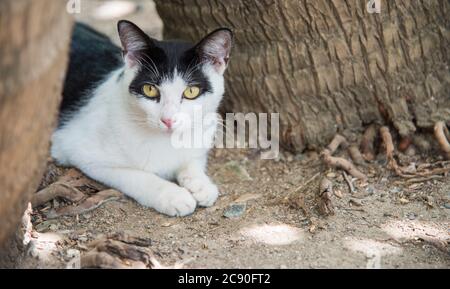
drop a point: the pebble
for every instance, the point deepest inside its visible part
(234, 210)
(412, 216)
(447, 205)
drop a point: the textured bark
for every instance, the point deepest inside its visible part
(328, 65)
(34, 37)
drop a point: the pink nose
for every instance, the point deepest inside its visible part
(168, 122)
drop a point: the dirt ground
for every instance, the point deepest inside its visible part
(385, 223)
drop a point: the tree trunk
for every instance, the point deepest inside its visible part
(328, 66)
(34, 37)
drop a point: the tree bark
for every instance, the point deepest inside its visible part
(328, 66)
(34, 38)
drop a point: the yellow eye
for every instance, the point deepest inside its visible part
(150, 90)
(191, 92)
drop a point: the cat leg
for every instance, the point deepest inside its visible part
(194, 178)
(147, 189)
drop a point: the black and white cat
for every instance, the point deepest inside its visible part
(121, 106)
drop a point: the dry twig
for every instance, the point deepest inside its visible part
(87, 205)
(120, 251)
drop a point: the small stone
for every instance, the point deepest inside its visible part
(447, 205)
(412, 216)
(234, 210)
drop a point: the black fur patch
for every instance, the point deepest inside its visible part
(92, 57)
(160, 61)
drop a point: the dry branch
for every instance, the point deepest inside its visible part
(87, 205)
(349, 183)
(120, 251)
(56, 190)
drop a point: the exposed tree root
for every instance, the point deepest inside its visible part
(443, 137)
(87, 205)
(324, 197)
(404, 144)
(340, 163)
(367, 142)
(423, 172)
(120, 251)
(356, 155)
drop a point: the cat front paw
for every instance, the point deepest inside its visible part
(176, 202)
(202, 189)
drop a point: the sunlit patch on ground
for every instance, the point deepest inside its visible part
(44, 245)
(373, 250)
(275, 234)
(410, 230)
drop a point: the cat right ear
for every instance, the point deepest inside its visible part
(134, 41)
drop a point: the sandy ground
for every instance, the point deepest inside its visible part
(385, 223)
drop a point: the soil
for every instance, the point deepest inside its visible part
(385, 223)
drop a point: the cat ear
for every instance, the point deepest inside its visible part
(215, 48)
(134, 41)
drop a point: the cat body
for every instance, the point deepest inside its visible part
(117, 125)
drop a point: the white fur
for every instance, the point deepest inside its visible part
(119, 140)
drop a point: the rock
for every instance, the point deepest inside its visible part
(447, 205)
(412, 216)
(234, 210)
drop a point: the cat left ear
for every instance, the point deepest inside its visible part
(134, 41)
(215, 48)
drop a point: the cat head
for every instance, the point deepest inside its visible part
(169, 80)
